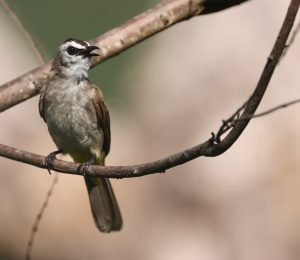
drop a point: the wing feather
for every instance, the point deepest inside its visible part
(103, 118)
(41, 105)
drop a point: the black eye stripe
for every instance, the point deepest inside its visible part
(72, 50)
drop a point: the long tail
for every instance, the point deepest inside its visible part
(105, 209)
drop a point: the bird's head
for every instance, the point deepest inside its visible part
(73, 59)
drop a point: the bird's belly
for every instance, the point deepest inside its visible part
(72, 129)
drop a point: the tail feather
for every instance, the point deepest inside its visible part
(104, 205)
(105, 209)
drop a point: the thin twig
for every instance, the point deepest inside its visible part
(271, 110)
(21, 27)
(228, 123)
(292, 40)
(38, 218)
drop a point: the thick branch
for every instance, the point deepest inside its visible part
(154, 20)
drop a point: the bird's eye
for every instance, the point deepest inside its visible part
(72, 50)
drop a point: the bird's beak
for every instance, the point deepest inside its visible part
(87, 52)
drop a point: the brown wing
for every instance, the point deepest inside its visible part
(41, 105)
(103, 118)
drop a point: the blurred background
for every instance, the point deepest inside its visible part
(164, 95)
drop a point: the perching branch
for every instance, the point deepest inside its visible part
(135, 30)
(214, 146)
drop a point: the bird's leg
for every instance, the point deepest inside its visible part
(85, 166)
(50, 158)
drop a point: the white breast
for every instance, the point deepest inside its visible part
(72, 129)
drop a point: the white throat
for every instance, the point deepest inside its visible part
(76, 71)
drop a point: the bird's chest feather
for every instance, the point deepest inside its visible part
(69, 123)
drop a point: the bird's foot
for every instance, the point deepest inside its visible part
(50, 158)
(84, 167)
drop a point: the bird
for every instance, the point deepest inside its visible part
(79, 123)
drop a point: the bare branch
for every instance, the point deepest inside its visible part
(106, 171)
(292, 40)
(231, 121)
(135, 30)
(211, 147)
(271, 110)
(251, 105)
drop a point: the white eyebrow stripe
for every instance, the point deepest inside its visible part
(76, 45)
